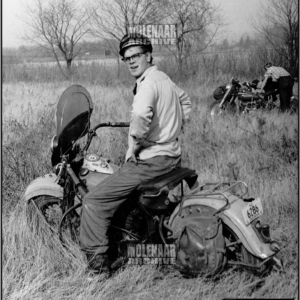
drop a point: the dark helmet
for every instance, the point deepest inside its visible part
(267, 65)
(134, 39)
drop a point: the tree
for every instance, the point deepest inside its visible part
(278, 25)
(241, 42)
(225, 44)
(198, 22)
(57, 26)
(112, 19)
(247, 42)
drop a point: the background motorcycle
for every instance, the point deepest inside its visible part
(235, 97)
(211, 225)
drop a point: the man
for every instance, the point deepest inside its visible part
(158, 113)
(284, 83)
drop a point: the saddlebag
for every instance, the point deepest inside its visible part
(201, 246)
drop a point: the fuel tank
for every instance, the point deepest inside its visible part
(95, 176)
(247, 96)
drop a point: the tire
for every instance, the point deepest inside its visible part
(69, 225)
(239, 254)
(216, 111)
(47, 208)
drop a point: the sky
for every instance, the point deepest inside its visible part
(236, 12)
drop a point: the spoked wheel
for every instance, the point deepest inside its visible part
(238, 255)
(216, 111)
(69, 225)
(46, 207)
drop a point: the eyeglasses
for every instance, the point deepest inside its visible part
(134, 58)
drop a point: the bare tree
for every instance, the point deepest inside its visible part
(198, 23)
(57, 26)
(278, 25)
(112, 19)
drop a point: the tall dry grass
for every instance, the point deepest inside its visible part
(260, 149)
(197, 67)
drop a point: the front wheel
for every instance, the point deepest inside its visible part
(45, 211)
(216, 111)
(46, 207)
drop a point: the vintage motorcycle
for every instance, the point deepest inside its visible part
(240, 98)
(207, 226)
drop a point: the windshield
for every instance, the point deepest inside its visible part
(73, 114)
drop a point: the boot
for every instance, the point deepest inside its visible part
(98, 264)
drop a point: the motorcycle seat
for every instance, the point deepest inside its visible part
(154, 193)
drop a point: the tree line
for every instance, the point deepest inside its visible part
(62, 28)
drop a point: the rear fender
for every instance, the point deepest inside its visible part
(44, 185)
(233, 218)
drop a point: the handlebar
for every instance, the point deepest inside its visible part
(109, 124)
(92, 132)
(249, 85)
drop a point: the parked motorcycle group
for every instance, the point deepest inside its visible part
(235, 98)
(210, 226)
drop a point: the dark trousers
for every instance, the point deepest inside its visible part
(100, 204)
(271, 86)
(285, 86)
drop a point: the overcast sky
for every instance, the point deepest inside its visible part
(236, 12)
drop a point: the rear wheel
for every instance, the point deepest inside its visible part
(238, 255)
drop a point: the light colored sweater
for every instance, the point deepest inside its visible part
(159, 110)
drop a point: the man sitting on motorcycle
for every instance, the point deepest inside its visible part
(159, 110)
(284, 83)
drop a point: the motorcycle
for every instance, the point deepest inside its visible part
(200, 230)
(240, 98)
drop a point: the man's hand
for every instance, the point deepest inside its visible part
(136, 148)
(139, 144)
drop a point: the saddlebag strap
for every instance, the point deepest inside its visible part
(171, 179)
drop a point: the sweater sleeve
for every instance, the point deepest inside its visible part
(185, 103)
(142, 111)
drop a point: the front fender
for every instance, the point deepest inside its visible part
(44, 185)
(233, 218)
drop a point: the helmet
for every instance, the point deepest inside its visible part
(267, 65)
(134, 39)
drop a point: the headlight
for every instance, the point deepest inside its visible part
(228, 86)
(54, 143)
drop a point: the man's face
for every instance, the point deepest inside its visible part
(138, 67)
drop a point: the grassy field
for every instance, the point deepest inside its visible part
(260, 149)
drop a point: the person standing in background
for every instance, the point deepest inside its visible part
(285, 84)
